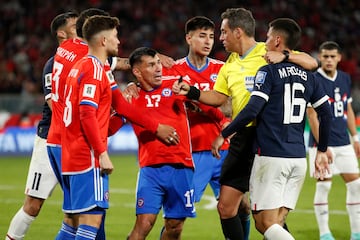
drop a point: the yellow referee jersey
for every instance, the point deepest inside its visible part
(236, 77)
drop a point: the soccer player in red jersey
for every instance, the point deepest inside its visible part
(69, 52)
(88, 97)
(205, 121)
(41, 179)
(166, 172)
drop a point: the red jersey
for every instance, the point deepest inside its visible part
(203, 127)
(67, 54)
(87, 84)
(162, 104)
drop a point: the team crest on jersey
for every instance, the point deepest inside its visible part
(140, 202)
(89, 90)
(166, 92)
(213, 77)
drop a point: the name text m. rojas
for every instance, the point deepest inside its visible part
(292, 71)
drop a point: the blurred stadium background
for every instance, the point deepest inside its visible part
(26, 43)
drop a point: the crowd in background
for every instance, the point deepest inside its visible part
(26, 43)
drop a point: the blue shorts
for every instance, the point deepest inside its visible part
(207, 170)
(54, 153)
(85, 191)
(166, 186)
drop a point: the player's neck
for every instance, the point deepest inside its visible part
(246, 45)
(101, 55)
(330, 74)
(197, 60)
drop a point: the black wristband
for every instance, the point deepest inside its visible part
(286, 54)
(193, 93)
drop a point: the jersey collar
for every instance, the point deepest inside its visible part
(322, 72)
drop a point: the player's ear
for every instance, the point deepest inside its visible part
(238, 32)
(278, 40)
(103, 40)
(136, 72)
(339, 57)
(187, 38)
(61, 34)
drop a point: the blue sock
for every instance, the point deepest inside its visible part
(66, 232)
(245, 222)
(86, 232)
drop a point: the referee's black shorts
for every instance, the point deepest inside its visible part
(235, 171)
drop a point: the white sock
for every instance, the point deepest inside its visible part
(321, 206)
(353, 204)
(19, 225)
(276, 232)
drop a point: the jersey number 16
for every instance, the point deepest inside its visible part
(294, 106)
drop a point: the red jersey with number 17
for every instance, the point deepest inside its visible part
(162, 104)
(67, 54)
(204, 129)
(87, 84)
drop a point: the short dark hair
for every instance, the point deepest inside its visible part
(330, 45)
(86, 14)
(198, 22)
(240, 18)
(290, 30)
(60, 21)
(97, 23)
(137, 54)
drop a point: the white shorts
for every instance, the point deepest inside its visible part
(276, 182)
(344, 160)
(41, 179)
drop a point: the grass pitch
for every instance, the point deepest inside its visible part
(121, 217)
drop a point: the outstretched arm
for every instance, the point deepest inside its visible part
(299, 58)
(123, 63)
(212, 97)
